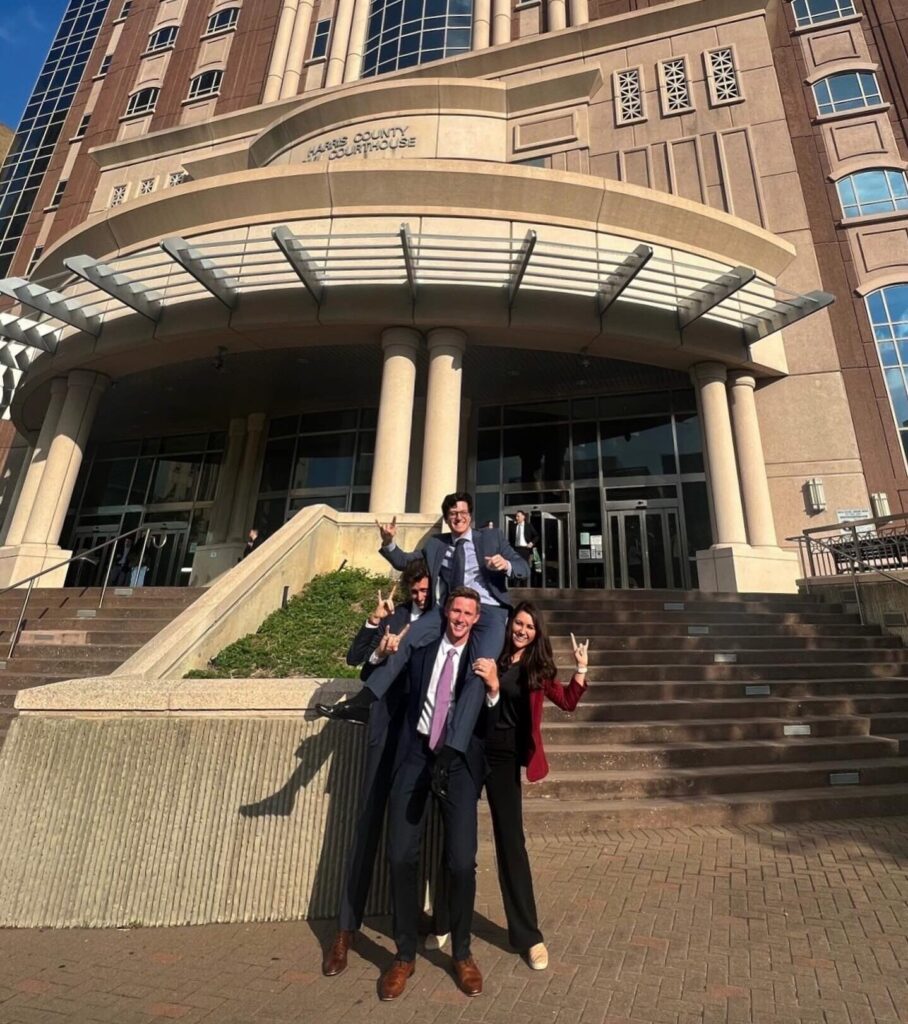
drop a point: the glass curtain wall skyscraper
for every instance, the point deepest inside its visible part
(42, 122)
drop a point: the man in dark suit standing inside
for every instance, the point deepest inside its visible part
(440, 752)
(380, 636)
(480, 559)
(524, 538)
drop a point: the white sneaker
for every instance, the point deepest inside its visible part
(437, 941)
(538, 957)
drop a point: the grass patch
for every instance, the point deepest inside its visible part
(309, 637)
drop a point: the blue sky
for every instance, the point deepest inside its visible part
(26, 31)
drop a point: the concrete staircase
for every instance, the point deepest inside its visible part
(66, 635)
(717, 709)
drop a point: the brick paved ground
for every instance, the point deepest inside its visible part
(775, 925)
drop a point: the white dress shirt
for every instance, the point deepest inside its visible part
(520, 537)
(425, 717)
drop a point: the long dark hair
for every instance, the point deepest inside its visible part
(537, 662)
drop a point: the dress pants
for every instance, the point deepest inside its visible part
(515, 879)
(380, 757)
(410, 794)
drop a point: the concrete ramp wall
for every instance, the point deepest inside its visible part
(126, 801)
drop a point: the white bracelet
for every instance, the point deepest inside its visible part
(580, 671)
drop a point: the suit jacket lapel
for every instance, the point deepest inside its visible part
(424, 668)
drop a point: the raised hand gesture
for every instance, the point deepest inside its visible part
(384, 607)
(581, 652)
(387, 531)
(390, 642)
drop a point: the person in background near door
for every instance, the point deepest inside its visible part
(520, 680)
(489, 525)
(122, 567)
(252, 542)
(380, 636)
(524, 538)
(480, 559)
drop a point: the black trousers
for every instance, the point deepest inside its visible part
(406, 815)
(506, 805)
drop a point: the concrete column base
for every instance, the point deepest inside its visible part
(19, 561)
(742, 569)
(213, 559)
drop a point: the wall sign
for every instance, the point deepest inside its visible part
(362, 143)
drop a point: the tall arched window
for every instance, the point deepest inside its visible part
(208, 83)
(848, 90)
(222, 20)
(888, 312)
(878, 191)
(143, 101)
(402, 33)
(162, 38)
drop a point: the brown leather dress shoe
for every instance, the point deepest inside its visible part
(394, 980)
(335, 961)
(469, 977)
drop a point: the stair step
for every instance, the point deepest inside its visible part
(731, 708)
(808, 669)
(699, 730)
(730, 689)
(708, 780)
(682, 643)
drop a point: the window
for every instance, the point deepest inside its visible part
(162, 39)
(208, 83)
(320, 42)
(869, 192)
(675, 89)
(220, 21)
(888, 312)
(125, 9)
(83, 127)
(404, 33)
(814, 12)
(629, 96)
(118, 195)
(722, 76)
(105, 65)
(142, 102)
(175, 178)
(33, 262)
(146, 186)
(850, 90)
(58, 193)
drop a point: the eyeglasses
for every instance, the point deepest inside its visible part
(459, 515)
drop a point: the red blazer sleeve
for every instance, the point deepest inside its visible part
(565, 697)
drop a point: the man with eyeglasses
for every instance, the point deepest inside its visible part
(480, 559)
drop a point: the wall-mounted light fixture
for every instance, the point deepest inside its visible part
(879, 501)
(816, 495)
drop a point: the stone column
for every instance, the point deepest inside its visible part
(354, 66)
(223, 499)
(482, 24)
(35, 471)
(64, 457)
(395, 421)
(278, 64)
(556, 15)
(441, 440)
(580, 12)
(296, 56)
(754, 485)
(501, 21)
(239, 526)
(340, 39)
(709, 378)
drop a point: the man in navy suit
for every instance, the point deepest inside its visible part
(480, 559)
(440, 680)
(379, 636)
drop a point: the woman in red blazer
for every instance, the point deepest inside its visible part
(522, 678)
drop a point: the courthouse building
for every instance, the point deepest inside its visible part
(576, 256)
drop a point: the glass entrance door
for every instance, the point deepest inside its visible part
(645, 548)
(552, 527)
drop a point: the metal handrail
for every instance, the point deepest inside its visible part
(83, 556)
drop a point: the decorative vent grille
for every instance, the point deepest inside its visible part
(723, 75)
(118, 195)
(146, 186)
(176, 178)
(629, 96)
(675, 87)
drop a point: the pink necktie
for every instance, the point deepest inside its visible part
(442, 702)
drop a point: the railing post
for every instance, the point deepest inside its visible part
(113, 552)
(14, 639)
(854, 573)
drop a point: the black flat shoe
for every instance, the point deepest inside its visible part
(344, 711)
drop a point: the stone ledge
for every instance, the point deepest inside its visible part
(106, 694)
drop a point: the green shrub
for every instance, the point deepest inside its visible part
(307, 638)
